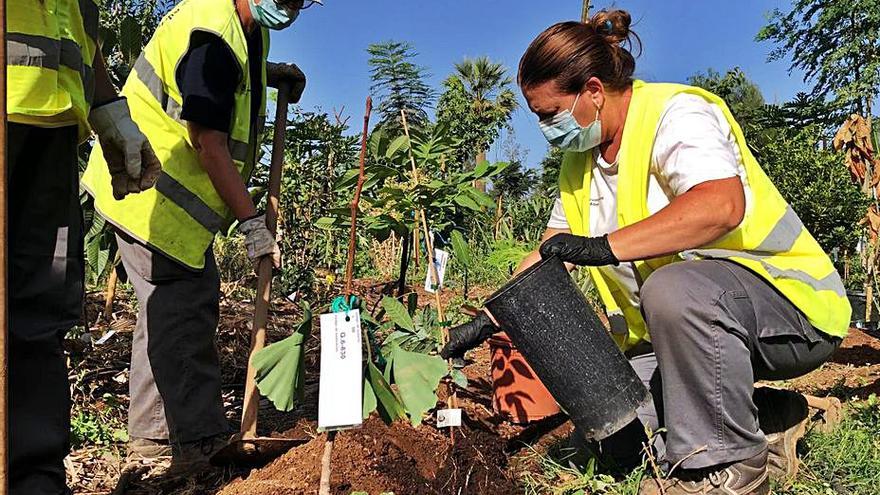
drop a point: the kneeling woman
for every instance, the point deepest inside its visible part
(689, 243)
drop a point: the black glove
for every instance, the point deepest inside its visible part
(579, 250)
(467, 336)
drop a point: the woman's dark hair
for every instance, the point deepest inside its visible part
(570, 53)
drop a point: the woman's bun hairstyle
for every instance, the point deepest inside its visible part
(570, 53)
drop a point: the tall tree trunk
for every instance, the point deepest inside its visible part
(480, 184)
(585, 11)
(498, 214)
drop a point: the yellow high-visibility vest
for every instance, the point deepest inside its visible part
(771, 241)
(181, 215)
(50, 47)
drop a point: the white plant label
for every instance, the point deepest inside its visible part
(447, 418)
(341, 383)
(441, 258)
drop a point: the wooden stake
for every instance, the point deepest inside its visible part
(110, 293)
(327, 458)
(432, 267)
(585, 11)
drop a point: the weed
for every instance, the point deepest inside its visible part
(93, 427)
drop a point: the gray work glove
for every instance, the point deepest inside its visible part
(260, 241)
(467, 336)
(275, 73)
(133, 164)
(579, 250)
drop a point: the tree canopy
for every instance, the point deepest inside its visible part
(476, 104)
(399, 84)
(836, 44)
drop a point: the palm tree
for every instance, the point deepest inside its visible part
(476, 104)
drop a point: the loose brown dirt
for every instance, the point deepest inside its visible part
(487, 456)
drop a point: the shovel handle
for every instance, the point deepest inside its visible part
(264, 278)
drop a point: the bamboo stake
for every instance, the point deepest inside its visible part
(585, 11)
(110, 293)
(327, 458)
(4, 402)
(432, 267)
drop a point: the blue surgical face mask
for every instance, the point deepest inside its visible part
(563, 131)
(271, 15)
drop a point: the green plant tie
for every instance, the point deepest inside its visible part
(340, 304)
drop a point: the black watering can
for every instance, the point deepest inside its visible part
(550, 321)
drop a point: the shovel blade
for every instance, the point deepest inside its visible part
(254, 452)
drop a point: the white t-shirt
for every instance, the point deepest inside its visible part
(694, 144)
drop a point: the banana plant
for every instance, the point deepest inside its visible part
(403, 372)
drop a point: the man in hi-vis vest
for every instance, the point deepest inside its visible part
(198, 91)
(58, 91)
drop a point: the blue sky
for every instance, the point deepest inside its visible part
(679, 38)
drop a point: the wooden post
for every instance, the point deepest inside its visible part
(4, 397)
(110, 293)
(432, 268)
(326, 459)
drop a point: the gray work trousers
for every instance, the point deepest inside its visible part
(175, 368)
(716, 328)
(45, 294)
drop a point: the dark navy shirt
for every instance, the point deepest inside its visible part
(208, 76)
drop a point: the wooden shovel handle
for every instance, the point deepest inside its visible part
(264, 276)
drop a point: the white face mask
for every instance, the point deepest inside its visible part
(563, 131)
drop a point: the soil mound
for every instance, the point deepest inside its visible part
(398, 458)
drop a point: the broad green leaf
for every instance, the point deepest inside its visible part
(101, 263)
(397, 313)
(389, 406)
(459, 378)
(461, 249)
(417, 377)
(401, 143)
(412, 303)
(480, 197)
(369, 399)
(130, 38)
(348, 179)
(327, 223)
(481, 169)
(498, 168)
(466, 201)
(280, 366)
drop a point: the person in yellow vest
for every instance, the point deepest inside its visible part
(58, 92)
(709, 277)
(198, 91)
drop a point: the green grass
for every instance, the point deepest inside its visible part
(95, 427)
(564, 471)
(845, 461)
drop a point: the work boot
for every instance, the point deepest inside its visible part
(783, 416)
(147, 449)
(193, 457)
(748, 477)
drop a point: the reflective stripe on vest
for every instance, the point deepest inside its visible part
(771, 240)
(183, 197)
(239, 150)
(50, 78)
